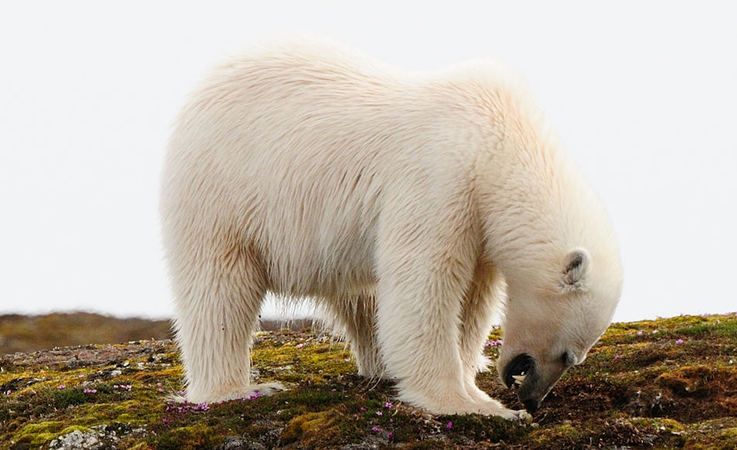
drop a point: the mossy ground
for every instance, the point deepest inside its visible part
(664, 383)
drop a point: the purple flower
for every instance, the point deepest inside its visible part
(61, 386)
(183, 408)
(390, 436)
(494, 343)
(123, 387)
(90, 391)
(449, 425)
(679, 341)
(300, 345)
(388, 405)
(376, 429)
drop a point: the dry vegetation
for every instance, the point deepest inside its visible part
(666, 384)
(30, 333)
(20, 333)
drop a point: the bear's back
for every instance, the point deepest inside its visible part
(303, 147)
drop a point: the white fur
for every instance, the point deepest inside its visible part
(404, 203)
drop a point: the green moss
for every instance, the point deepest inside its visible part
(657, 424)
(715, 328)
(184, 438)
(139, 446)
(131, 412)
(67, 397)
(310, 427)
(314, 362)
(39, 433)
(713, 434)
(565, 434)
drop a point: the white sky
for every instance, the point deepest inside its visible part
(644, 94)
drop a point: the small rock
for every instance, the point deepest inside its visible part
(240, 443)
(76, 440)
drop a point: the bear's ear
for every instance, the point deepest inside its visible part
(575, 268)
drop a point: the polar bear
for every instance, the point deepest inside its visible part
(409, 205)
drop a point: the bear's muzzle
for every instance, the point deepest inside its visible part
(534, 380)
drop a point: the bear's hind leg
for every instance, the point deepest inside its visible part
(356, 317)
(219, 291)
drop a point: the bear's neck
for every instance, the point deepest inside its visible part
(531, 202)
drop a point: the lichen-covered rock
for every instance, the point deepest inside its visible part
(665, 383)
(77, 439)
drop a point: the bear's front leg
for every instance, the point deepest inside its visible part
(419, 306)
(482, 297)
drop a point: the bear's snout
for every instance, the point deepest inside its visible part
(533, 378)
(531, 405)
(518, 370)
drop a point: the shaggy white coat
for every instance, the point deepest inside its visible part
(407, 204)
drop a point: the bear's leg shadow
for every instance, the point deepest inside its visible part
(356, 317)
(219, 290)
(482, 297)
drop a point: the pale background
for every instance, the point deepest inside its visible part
(644, 94)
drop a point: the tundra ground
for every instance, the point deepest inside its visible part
(664, 383)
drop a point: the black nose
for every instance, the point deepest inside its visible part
(520, 364)
(531, 405)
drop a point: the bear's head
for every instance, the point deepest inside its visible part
(552, 321)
